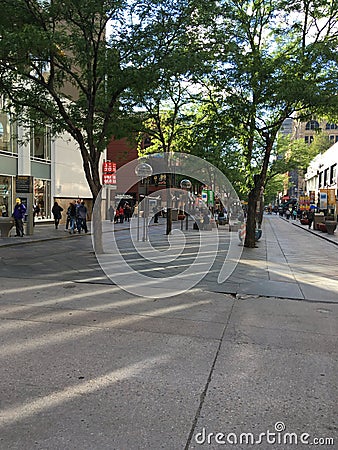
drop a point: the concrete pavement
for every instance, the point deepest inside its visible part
(85, 365)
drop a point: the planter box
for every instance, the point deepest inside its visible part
(330, 226)
(6, 224)
(322, 227)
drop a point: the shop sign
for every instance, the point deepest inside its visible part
(109, 173)
(109, 178)
(125, 197)
(323, 200)
(24, 184)
(329, 194)
(304, 202)
(208, 196)
(109, 167)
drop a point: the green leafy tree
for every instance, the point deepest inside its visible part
(80, 64)
(272, 59)
(292, 154)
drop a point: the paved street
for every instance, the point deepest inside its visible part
(87, 365)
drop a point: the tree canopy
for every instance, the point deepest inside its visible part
(98, 69)
(271, 60)
(80, 64)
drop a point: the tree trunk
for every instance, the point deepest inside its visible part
(97, 224)
(91, 168)
(251, 219)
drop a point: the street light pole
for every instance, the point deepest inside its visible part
(143, 170)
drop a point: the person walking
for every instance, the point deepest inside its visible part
(294, 214)
(310, 217)
(56, 211)
(121, 214)
(127, 212)
(287, 214)
(19, 215)
(71, 213)
(81, 214)
(116, 217)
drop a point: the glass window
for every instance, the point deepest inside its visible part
(41, 142)
(5, 196)
(320, 182)
(331, 126)
(308, 139)
(326, 178)
(5, 133)
(42, 204)
(312, 125)
(333, 174)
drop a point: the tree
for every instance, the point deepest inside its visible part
(78, 64)
(273, 59)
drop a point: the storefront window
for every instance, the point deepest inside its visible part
(5, 196)
(42, 206)
(7, 143)
(41, 142)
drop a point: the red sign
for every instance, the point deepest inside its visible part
(109, 178)
(109, 172)
(109, 167)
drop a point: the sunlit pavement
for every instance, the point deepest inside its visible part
(86, 365)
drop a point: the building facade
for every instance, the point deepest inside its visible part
(322, 179)
(54, 163)
(296, 129)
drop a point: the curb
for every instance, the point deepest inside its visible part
(316, 234)
(55, 238)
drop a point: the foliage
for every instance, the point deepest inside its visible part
(57, 65)
(272, 60)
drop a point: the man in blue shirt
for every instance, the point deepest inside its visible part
(18, 215)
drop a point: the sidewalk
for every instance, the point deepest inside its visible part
(87, 366)
(47, 232)
(290, 262)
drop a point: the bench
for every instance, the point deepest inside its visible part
(6, 224)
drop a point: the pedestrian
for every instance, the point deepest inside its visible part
(206, 220)
(294, 214)
(156, 213)
(68, 216)
(111, 213)
(116, 216)
(19, 215)
(310, 217)
(36, 212)
(71, 214)
(127, 212)
(56, 211)
(121, 214)
(287, 214)
(81, 213)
